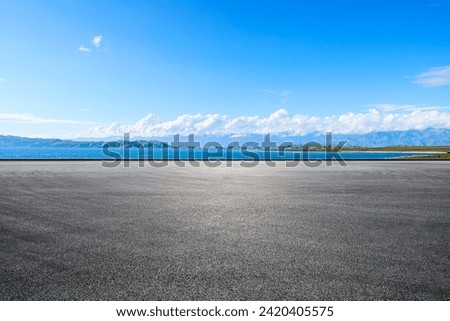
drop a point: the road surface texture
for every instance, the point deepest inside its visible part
(368, 231)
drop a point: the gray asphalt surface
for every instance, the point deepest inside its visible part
(369, 231)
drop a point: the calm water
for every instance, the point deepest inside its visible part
(182, 153)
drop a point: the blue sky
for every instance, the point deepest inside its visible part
(98, 68)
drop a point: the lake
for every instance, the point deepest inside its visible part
(185, 153)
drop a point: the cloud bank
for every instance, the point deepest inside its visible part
(378, 118)
(434, 77)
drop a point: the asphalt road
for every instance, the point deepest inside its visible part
(369, 231)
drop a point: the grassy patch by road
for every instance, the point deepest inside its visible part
(400, 149)
(442, 152)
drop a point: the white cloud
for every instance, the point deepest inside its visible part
(434, 77)
(84, 49)
(97, 40)
(395, 117)
(32, 119)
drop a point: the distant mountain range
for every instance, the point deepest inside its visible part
(23, 142)
(426, 137)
